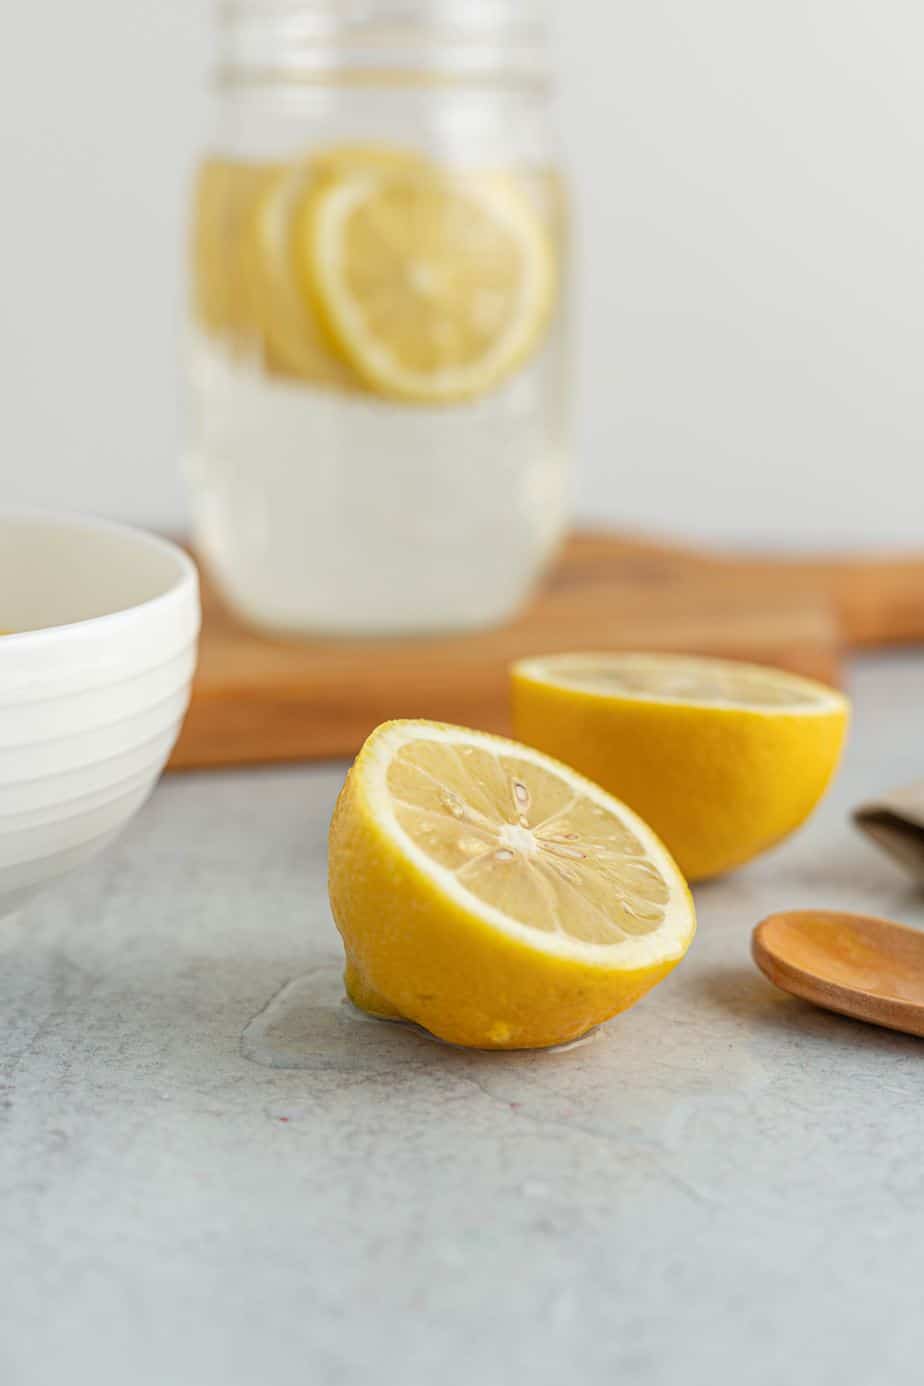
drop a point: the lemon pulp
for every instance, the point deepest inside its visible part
(527, 843)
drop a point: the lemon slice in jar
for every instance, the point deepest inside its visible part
(224, 194)
(296, 341)
(296, 344)
(434, 286)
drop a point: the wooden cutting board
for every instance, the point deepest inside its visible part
(258, 699)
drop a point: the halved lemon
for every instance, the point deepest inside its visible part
(722, 759)
(435, 286)
(494, 896)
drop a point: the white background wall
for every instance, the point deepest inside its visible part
(751, 193)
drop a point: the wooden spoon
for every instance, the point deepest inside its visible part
(868, 968)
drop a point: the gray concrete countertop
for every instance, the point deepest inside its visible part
(214, 1173)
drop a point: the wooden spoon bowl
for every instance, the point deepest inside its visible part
(868, 968)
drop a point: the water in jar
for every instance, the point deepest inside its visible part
(376, 360)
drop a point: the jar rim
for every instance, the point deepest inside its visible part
(467, 39)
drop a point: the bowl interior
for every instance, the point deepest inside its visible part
(57, 571)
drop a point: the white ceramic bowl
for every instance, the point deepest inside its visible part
(94, 685)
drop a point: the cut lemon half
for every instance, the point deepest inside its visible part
(434, 286)
(722, 759)
(494, 896)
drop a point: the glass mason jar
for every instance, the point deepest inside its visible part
(377, 356)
